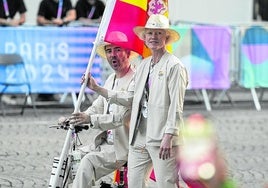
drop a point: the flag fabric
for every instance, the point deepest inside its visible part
(120, 176)
(130, 13)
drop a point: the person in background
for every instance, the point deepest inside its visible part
(105, 116)
(8, 11)
(260, 10)
(55, 13)
(89, 11)
(157, 98)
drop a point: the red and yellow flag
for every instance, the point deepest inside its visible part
(130, 13)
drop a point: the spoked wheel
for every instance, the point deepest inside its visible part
(67, 171)
(64, 178)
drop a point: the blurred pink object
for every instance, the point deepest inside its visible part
(197, 157)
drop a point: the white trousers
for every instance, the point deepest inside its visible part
(141, 159)
(93, 166)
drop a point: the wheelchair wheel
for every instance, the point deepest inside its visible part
(64, 178)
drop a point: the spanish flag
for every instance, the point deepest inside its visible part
(130, 13)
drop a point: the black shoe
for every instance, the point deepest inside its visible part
(105, 185)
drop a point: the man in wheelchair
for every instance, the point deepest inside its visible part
(103, 159)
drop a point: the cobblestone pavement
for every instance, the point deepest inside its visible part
(28, 145)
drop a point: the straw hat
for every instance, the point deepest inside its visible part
(157, 21)
(116, 38)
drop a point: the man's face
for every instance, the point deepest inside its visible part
(155, 38)
(117, 57)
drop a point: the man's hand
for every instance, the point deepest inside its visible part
(79, 118)
(63, 120)
(57, 22)
(93, 85)
(13, 22)
(91, 82)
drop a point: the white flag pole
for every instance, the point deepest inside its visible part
(109, 7)
(99, 38)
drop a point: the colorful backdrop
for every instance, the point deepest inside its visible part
(56, 58)
(205, 51)
(254, 57)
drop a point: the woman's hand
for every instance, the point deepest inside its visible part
(165, 147)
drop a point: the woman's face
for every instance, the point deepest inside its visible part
(155, 38)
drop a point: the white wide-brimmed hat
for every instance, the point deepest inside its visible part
(157, 21)
(115, 38)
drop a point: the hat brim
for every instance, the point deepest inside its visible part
(173, 34)
(101, 51)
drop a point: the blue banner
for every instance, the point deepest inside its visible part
(55, 57)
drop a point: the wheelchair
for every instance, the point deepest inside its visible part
(71, 160)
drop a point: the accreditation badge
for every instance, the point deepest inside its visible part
(145, 109)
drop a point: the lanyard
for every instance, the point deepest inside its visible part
(59, 9)
(109, 104)
(6, 8)
(148, 80)
(90, 15)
